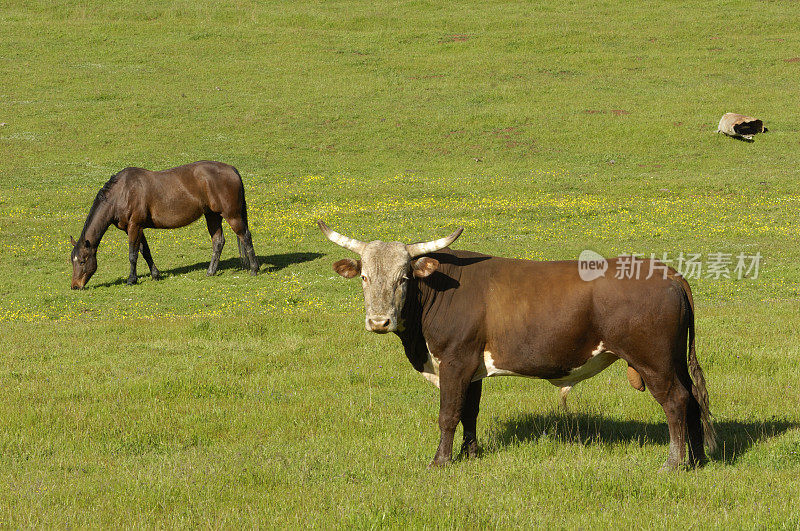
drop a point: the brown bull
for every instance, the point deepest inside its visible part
(465, 316)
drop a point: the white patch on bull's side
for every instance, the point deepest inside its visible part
(430, 370)
(490, 369)
(600, 360)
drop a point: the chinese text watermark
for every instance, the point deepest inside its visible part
(716, 265)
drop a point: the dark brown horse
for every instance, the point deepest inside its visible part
(136, 199)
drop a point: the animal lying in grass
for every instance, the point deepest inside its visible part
(136, 199)
(464, 316)
(740, 126)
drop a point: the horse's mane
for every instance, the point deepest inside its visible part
(100, 198)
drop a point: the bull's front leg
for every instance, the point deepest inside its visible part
(454, 380)
(469, 419)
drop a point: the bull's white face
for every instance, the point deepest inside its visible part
(385, 270)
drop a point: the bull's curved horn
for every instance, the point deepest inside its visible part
(339, 239)
(417, 249)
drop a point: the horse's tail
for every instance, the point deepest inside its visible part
(243, 206)
(699, 385)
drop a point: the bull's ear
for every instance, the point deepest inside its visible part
(348, 267)
(72, 241)
(424, 267)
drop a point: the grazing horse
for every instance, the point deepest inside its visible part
(136, 199)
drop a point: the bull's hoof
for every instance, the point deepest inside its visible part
(155, 274)
(253, 272)
(469, 449)
(131, 281)
(438, 463)
(672, 467)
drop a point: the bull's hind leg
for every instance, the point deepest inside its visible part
(469, 419)
(694, 423)
(245, 241)
(214, 223)
(697, 451)
(155, 274)
(671, 385)
(675, 400)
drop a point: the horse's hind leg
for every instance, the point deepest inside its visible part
(245, 241)
(243, 254)
(214, 222)
(155, 274)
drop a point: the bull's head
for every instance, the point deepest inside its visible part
(385, 269)
(84, 262)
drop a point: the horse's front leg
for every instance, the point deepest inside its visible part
(155, 274)
(454, 380)
(135, 235)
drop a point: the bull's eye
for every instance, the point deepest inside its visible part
(364, 278)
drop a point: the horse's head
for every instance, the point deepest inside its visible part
(84, 262)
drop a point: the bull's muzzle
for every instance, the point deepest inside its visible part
(379, 324)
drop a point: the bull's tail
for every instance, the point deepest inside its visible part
(699, 385)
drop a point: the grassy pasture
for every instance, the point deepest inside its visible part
(544, 129)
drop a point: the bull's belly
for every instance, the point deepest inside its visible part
(600, 359)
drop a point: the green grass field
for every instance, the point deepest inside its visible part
(543, 128)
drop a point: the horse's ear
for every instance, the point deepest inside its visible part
(72, 240)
